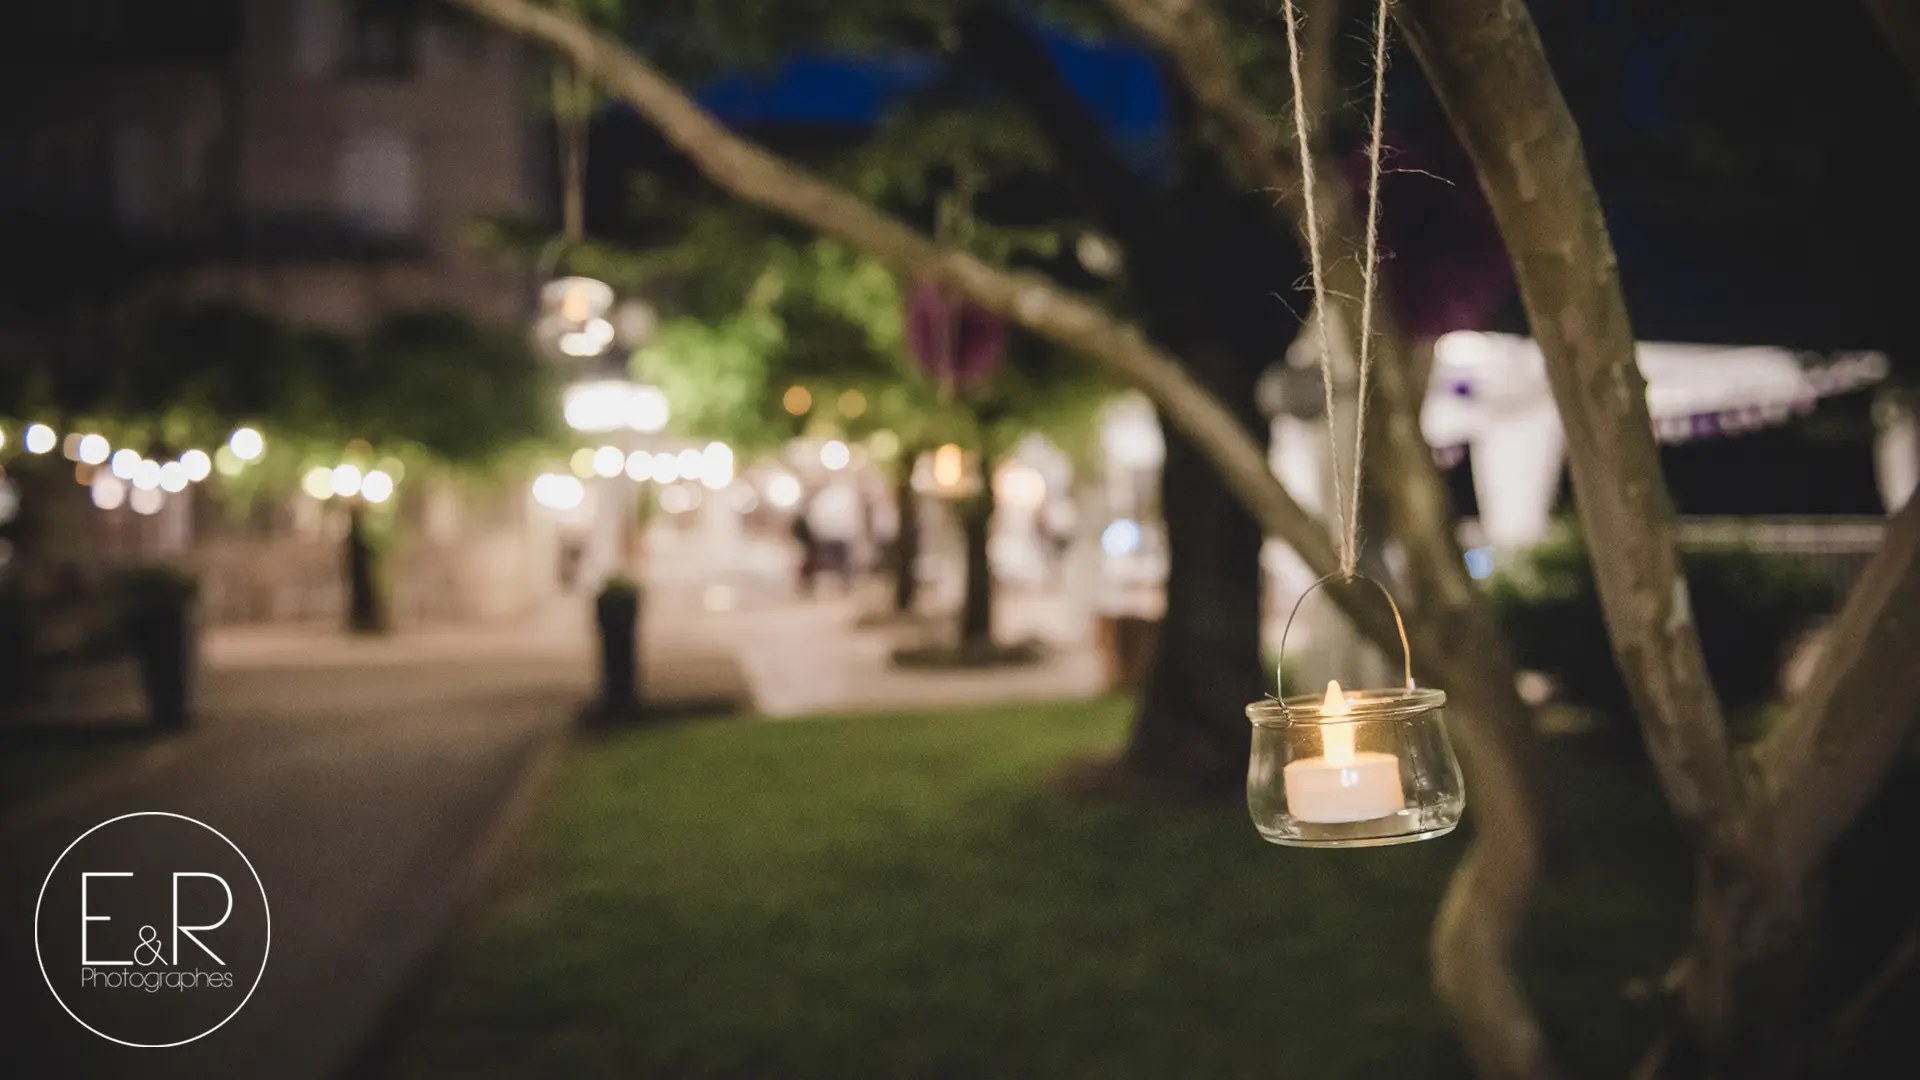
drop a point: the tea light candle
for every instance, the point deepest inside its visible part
(1342, 785)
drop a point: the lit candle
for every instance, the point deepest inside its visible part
(1343, 784)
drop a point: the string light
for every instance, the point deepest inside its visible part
(376, 487)
(247, 444)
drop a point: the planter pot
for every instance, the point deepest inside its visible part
(1127, 644)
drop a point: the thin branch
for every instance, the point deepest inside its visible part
(1030, 300)
(1822, 765)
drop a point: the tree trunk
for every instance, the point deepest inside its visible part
(976, 605)
(906, 540)
(1191, 730)
(366, 607)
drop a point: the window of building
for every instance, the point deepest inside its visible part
(379, 183)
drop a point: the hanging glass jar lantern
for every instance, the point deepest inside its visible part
(1353, 768)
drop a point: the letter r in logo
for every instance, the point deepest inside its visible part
(188, 930)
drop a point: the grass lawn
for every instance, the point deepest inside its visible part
(905, 896)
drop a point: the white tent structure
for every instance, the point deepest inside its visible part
(1489, 397)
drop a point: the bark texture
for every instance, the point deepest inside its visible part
(1486, 64)
(1192, 725)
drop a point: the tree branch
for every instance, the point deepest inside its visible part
(1485, 61)
(1029, 300)
(1822, 765)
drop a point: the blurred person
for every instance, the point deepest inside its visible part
(803, 534)
(1057, 520)
(835, 518)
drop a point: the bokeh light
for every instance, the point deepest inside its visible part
(198, 465)
(783, 491)
(376, 486)
(109, 491)
(345, 480)
(558, 491)
(318, 482)
(247, 444)
(716, 468)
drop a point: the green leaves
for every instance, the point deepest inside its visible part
(427, 382)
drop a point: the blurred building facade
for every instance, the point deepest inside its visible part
(318, 161)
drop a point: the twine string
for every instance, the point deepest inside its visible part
(1346, 494)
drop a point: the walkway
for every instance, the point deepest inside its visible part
(810, 657)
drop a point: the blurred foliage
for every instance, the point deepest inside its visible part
(426, 389)
(1750, 607)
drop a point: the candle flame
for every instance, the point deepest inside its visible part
(1336, 740)
(1336, 701)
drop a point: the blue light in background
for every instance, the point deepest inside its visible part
(1121, 538)
(1479, 563)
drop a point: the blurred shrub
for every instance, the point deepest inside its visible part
(1749, 606)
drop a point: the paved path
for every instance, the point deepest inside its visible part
(365, 782)
(813, 657)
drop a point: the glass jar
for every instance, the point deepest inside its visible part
(1378, 771)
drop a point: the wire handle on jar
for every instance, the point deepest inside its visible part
(1406, 652)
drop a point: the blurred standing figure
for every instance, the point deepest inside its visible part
(809, 550)
(836, 521)
(1057, 520)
